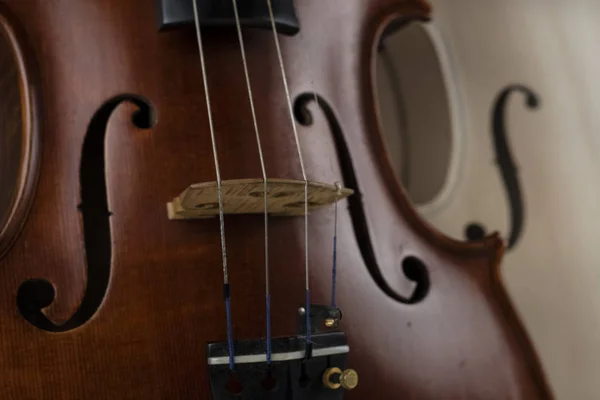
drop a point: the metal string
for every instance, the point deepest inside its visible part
(338, 185)
(291, 111)
(264, 173)
(226, 287)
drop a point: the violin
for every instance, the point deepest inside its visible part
(513, 140)
(196, 202)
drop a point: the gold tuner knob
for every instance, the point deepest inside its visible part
(330, 322)
(334, 378)
(349, 379)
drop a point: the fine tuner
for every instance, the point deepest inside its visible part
(334, 378)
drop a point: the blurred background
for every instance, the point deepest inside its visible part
(453, 96)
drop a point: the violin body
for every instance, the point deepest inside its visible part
(103, 296)
(523, 162)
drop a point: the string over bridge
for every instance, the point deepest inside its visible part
(285, 197)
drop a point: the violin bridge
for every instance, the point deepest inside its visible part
(246, 196)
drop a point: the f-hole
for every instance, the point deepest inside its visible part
(36, 294)
(507, 166)
(418, 273)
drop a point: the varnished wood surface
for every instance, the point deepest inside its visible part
(19, 136)
(164, 301)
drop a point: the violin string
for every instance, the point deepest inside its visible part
(226, 286)
(298, 148)
(338, 186)
(264, 174)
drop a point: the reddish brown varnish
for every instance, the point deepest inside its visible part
(164, 300)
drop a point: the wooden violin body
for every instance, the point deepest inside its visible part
(104, 297)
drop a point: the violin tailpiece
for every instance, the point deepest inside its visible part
(299, 369)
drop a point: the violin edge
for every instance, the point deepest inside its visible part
(418, 10)
(31, 105)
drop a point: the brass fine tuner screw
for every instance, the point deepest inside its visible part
(334, 378)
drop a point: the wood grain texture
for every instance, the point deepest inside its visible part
(19, 129)
(164, 300)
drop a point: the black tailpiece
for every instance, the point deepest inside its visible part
(292, 375)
